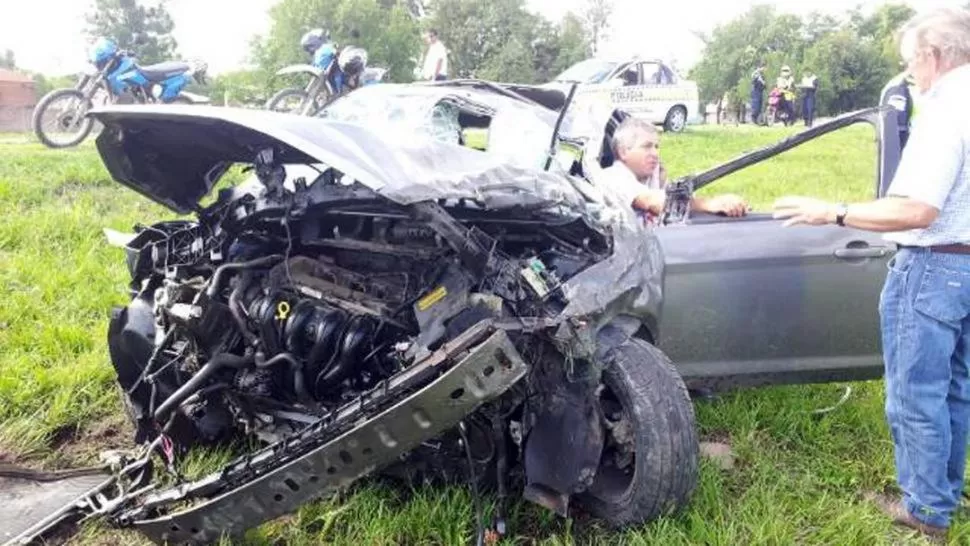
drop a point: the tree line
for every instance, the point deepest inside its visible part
(853, 55)
(496, 40)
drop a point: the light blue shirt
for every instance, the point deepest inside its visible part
(935, 165)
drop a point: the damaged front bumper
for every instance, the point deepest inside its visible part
(319, 461)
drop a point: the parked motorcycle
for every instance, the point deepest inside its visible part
(781, 107)
(333, 72)
(113, 76)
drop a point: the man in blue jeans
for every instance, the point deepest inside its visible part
(925, 303)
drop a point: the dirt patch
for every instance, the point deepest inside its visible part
(62, 436)
(719, 436)
(716, 446)
(7, 456)
(721, 454)
(83, 445)
(75, 446)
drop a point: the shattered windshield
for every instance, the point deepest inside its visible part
(589, 71)
(398, 115)
(510, 130)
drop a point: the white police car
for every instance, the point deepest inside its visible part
(645, 88)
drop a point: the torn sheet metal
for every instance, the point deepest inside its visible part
(26, 502)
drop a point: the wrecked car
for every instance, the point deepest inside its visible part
(418, 309)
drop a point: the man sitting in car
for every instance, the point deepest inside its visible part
(638, 177)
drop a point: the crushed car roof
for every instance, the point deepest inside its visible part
(175, 154)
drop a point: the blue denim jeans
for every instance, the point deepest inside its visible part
(925, 315)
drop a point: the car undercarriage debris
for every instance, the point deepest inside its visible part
(359, 437)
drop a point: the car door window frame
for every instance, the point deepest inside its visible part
(888, 152)
(666, 74)
(643, 73)
(631, 67)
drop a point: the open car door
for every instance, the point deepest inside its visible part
(750, 302)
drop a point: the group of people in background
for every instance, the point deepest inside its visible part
(783, 95)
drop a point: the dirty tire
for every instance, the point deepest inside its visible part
(655, 399)
(676, 119)
(37, 117)
(274, 102)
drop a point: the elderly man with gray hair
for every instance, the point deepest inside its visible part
(638, 177)
(925, 303)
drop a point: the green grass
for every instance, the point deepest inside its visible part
(797, 479)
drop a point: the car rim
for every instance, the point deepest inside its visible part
(677, 120)
(617, 469)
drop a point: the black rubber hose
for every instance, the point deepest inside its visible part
(235, 308)
(219, 361)
(216, 281)
(299, 383)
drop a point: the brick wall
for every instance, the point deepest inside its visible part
(15, 119)
(17, 99)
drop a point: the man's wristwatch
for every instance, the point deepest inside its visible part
(841, 210)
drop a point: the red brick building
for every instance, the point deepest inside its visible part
(18, 96)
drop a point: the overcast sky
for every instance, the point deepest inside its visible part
(47, 35)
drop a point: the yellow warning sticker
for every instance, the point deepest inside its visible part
(432, 298)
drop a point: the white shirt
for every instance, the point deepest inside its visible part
(436, 52)
(935, 165)
(620, 181)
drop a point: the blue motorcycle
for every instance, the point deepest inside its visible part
(114, 76)
(332, 72)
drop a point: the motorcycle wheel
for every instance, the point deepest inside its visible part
(650, 461)
(278, 102)
(72, 118)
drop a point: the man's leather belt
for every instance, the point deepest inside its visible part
(954, 248)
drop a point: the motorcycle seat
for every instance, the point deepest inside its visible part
(163, 71)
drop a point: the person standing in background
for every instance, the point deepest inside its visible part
(785, 84)
(436, 58)
(808, 87)
(897, 93)
(757, 92)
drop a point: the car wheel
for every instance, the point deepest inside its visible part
(676, 119)
(649, 465)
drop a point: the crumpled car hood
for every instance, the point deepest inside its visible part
(175, 154)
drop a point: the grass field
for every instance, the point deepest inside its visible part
(798, 478)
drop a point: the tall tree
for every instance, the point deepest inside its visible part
(731, 50)
(146, 30)
(8, 60)
(575, 43)
(556, 48)
(501, 39)
(474, 31)
(386, 30)
(597, 14)
(851, 71)
(853, 57)
(881, 28)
